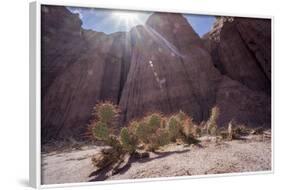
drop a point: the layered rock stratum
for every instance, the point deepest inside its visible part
(161, 66)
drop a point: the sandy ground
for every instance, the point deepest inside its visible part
(210, 157)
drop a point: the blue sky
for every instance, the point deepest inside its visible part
(103, 20)
(201, 23)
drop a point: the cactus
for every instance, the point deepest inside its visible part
(215, 113)
(197, 131)
(212, 123)
(128, 140)
(162, 137)
(100, 131)
(153, 122)
(103, 129)
(188, 126)
(133, 125)
(230, 131)
(106, 112)
(174, 127)
(181, 115)
(164, 122)
(142, 132)
(115, 143)
(153, 130)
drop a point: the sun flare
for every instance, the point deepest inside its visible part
(125, 16)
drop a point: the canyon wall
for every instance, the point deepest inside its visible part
(161, 66)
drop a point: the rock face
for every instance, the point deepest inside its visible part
(241, 49)
(170, 70)
(58, 26)
(92, 68)
(239, 103)
(161, 66)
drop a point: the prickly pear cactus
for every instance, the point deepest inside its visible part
(174, 127)
(106, 112)
(128, 140)
(100, 131)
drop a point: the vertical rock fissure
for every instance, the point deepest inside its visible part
(125, 68)
(188, 80)
(267, 81)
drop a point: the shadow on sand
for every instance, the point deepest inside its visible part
(104, 173)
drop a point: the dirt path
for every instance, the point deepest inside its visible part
(173, 160)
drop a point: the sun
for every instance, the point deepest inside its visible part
(125, 20)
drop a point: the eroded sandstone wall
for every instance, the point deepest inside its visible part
(161, 66)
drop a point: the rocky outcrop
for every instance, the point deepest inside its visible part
(241, 49)
(60, 31)
(170, 70)
(162, 66)
(245, 106)
(92, 67)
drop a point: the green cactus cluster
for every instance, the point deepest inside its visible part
(107, 113)
(160, 138)
(153, 131)
(100, 131)
(149, 133)
(174, 126)
(128, 140)
(103, 127)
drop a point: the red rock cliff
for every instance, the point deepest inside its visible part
(160, 66)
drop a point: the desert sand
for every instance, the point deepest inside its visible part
(209, 157)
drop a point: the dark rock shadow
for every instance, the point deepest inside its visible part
(102, 174)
